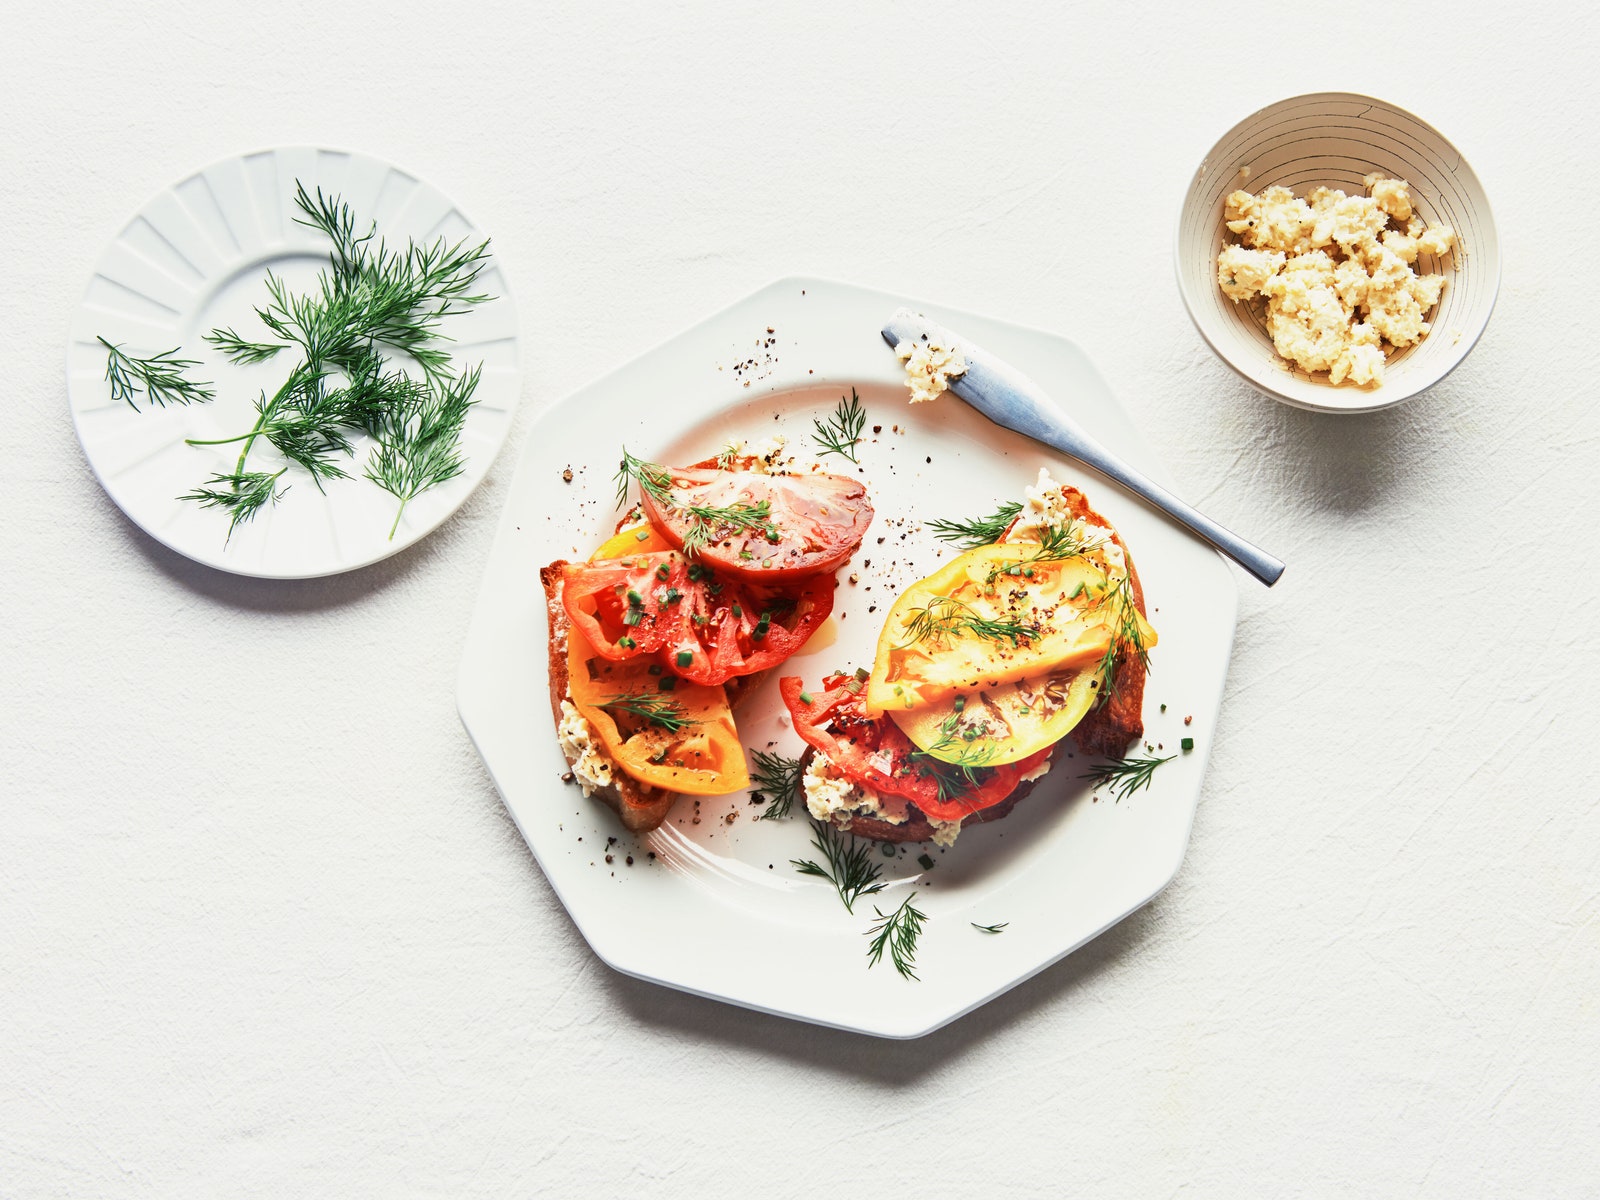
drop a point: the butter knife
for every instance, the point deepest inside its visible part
(1010, 399)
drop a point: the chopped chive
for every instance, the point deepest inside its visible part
(1187, 744)
(633, 616)
(634, 597)
(888, 849)
(663, 571)
(642, 536)
(685, 658)
(626, 642)
(925, 862)
(667, 683)
(805, 697)
(738, 611)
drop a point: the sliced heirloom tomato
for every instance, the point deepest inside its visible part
(812, 523)
(659, 729)
(656, 605)
(873, 752)
(991, 616)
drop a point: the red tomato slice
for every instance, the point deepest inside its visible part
(813, 523)
(873, 752)
(700, 627)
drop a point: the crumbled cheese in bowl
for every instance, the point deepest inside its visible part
(929, 368)
(1335, 272)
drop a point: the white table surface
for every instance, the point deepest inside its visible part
(265, 927)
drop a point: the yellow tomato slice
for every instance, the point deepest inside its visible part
(994, 726)
(682, 739)
(691, 746)
(991, 616)
(629, 542)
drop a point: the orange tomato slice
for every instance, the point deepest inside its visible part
(658, 728)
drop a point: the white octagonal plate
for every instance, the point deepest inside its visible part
(710, 902)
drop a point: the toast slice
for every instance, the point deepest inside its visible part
(640, 806)
(1107, 729)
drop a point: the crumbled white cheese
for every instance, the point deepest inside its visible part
(929, 368)
(831, 797)
(1337, 280)
(767, 455)
(1038, 772)
(590, 765)
(944, 832)
(1045, 508)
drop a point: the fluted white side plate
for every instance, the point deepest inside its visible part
(196, 257)
(709, 902)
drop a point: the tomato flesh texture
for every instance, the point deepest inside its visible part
(873, 752)
(701, 755)
(814, 522)
(701, 628)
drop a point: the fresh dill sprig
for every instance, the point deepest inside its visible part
(842, 432)
(240, 350)
(711, 523)
(663, 714)
(726, 455)
(396, 300)
(653, 479)
(707, 523)
(241, 496)
(367, 300)
(958, 776)
(778, 779)
(1057, 544)
(980, 531)
(160, 377)
(419, 437)
(850, 868)
(989, 928)
(945, 616)
(897, 932)
(1127, 636)
(1125, 775)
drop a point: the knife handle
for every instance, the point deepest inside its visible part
(1006, 403)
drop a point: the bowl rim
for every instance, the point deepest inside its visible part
(1376, 399)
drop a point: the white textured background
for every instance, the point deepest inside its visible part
(265, 928)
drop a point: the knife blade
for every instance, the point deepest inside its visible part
(1010, 399)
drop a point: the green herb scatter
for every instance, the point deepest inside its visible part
(368, 301)
(842, 432)
(981, 531)
(778, 779)
(1125, 775)
(160, 377)
(849, 866)
(663, 714)
(897, 932)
